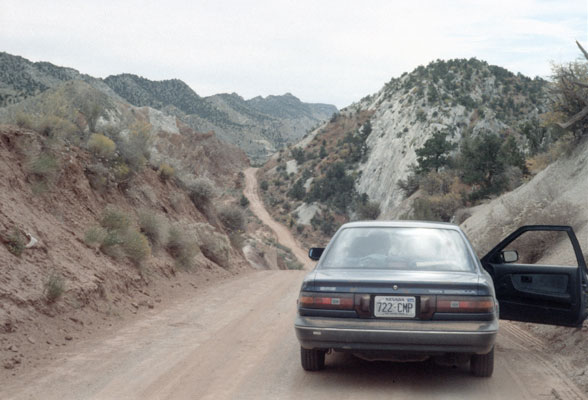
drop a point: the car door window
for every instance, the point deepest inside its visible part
(552, 248)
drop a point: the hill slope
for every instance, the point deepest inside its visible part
(259, 126)
(350, 167)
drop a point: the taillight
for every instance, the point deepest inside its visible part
(333, 301)
(467, 304)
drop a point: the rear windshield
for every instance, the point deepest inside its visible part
(428, 249)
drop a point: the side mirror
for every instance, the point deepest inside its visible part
(315, 253)
(509, 256)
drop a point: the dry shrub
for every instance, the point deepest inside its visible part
(24, 121)
(237, 240)
(166, 172)
(44, 167)
(114, 219)
(153, 226)
(437, 182)
(181, 247)
(540, 161)
(95, 236)
(368, 211)
(14, 241)
(98, 176)
(136, 247)
(101, 146)
(436, 208)
(214, 245)
(122, 172)
(118, 238)
(201, 192)
(232, 218)
(55, 127)
(176, 201)
(54, 287)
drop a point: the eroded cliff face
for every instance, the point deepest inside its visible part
(465, 99)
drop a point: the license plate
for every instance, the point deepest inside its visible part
(395, 306)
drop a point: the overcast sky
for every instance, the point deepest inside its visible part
(319, 50)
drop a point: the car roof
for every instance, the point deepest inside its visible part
(401, 224)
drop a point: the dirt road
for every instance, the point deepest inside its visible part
(235, 340)
(257, 207)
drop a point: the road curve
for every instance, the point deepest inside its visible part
(257, 207)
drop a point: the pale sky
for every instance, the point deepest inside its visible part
(319, 50)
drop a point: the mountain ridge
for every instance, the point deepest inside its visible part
(257, 125)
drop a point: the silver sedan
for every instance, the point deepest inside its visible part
(411, 290)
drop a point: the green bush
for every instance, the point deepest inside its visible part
(264, 185)
(244, 201)
(101, 146)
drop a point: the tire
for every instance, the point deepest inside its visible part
(312, 360)
(482, 365)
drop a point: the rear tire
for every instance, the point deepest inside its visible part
(482, 365)
(313, 359)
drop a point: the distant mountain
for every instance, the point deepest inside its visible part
(173, 93)
(259, 126)
(21, 78)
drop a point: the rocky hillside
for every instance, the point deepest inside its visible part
(105, 208)
(259, 126)
(366, 161)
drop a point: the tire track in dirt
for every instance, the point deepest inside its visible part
(537, 366)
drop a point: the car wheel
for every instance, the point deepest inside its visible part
(482, 364)
(313, 359)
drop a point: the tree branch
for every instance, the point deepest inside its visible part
(582, 49)
(579, 116)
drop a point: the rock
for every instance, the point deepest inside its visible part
(68, 337)
(31, 340)
(150, 305)
(135, 305)
(13, 348)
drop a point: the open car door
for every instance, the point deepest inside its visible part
(538, 286)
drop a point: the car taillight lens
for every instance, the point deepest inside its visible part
(333, 301)
(468, 304)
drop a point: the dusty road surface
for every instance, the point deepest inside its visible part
(257, 207)
(235, 340)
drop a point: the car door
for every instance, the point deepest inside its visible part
(539, 286)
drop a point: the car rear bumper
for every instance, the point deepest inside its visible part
(431, 337)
